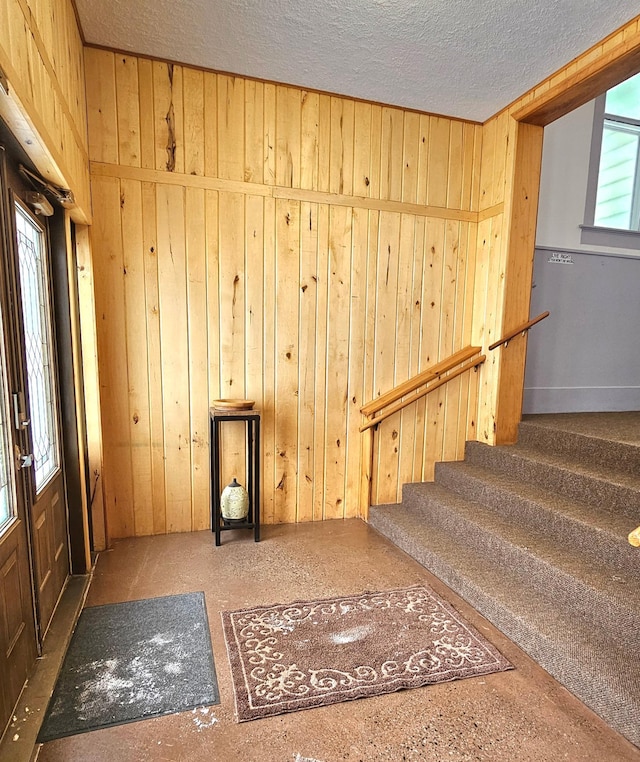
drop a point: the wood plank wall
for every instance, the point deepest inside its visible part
(298, 249)
(41, 53)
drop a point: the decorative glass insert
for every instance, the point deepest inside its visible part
(36, 313)
(7, 495)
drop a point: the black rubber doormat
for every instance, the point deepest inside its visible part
(131, 661)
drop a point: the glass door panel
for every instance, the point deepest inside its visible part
(36, 313)
(8, 505)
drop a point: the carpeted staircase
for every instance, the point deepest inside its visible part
(534, 536)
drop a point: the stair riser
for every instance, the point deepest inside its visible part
(572, 594)
(608, 496)
(594, 544)
(618, 456)
(601, 696)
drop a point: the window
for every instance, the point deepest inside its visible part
(7, 496)
(617, 189)
(36, 312)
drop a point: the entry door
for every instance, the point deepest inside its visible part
(17, 621)
(39, 414)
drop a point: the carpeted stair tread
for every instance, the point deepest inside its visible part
(595, 667)
(615, 493)
(598, 534)
(557, 460)
(613, 427)
(611, 442)
(604, 596)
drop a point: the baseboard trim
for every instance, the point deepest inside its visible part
(603, 399)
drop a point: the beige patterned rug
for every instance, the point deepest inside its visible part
(299, 655)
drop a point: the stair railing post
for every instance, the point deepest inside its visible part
(367, 472)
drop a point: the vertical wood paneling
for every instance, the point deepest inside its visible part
(86, 280)
(232, 318)
(137, 375)
(210, 84)
(146, 113)
(269, 131)
(288, 116)
(362, 150)
(286, 353)
(151, 299)
(322, 393)
(128, 110)
(404, 323)
(417, 346)
(195, 210)
(341, 146)
(338, 309)
(106, 237)
(386, 341)
(307, 359)
(357, 339)
(269, 372)
(324, 143)
(309, 309)
(253, 130)
(194, 122)
(310, 128)
(411, 157)
(101, 105)
(432, 301)
(230, 110)
(172, 288)
(391, 153)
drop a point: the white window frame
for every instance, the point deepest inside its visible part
(590, 233)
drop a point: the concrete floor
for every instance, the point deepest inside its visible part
(513, 716)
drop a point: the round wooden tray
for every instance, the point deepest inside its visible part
(233, 404)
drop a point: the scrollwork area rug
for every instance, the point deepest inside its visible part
(305, 654)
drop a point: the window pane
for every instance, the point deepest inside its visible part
(624, 99)
(39, 350)
(7, 499)
(616, 179)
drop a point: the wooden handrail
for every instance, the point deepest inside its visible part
(521, 329)
(422, 378)
(398, 405)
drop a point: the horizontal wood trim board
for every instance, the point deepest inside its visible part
(492, 211)
(422, 378)
(422, 392)
(102, 169)
(589, 81)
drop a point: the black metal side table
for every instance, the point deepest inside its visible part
(252, 424)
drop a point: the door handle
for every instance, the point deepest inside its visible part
(26, 461)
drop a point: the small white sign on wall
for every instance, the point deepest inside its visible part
(561, 258)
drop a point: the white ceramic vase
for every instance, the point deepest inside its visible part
(234, 503)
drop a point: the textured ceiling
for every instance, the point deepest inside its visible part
(465, 58)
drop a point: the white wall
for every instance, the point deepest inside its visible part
(586, 355)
